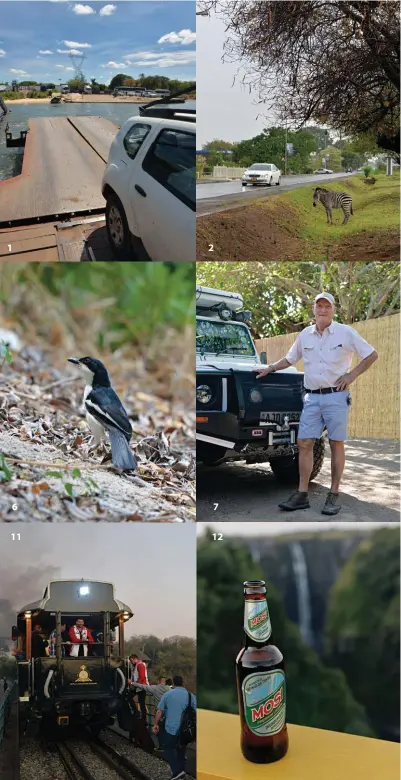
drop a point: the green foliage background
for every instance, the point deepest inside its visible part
(322, 692)
(168, 657)
(280, 295)
(131, 303)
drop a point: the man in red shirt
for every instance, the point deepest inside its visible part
(139, 675)
(79, 637)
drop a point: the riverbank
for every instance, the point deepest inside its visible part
(80, 99)
(77, 98)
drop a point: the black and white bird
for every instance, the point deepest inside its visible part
(105, 412)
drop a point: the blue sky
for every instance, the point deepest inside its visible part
(133, 37)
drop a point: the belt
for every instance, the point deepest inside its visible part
(323, 390)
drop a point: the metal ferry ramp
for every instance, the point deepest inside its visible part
(62, 171)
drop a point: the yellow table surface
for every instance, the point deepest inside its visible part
(313, 754)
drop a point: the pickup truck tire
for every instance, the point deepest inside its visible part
(117, 229)
(209, 454)
(286, 469)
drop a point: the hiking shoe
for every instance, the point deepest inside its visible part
(296, 501)
(177, 777)
(332, 505)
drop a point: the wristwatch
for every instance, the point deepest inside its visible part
(272, 366)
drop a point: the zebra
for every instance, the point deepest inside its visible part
(333, 200)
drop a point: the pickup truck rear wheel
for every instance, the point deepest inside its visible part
(286, 469)
(209, 454)
(117, 229)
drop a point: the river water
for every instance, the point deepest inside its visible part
(19, 115)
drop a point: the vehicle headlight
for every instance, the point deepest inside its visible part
(204, 394)
(255, 395)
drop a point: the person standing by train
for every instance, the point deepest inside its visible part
(157, 691)
(79, 637)
(139, 675)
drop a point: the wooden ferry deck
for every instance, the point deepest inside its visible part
(62, 171)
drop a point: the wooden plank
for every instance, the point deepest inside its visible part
(61, 173)
(13, 248)
(37, 255)
(8, 235)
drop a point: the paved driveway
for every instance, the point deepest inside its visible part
(369, 489)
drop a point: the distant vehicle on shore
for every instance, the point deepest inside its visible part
(323, 170)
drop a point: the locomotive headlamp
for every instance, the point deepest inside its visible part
(125, 615)
(84, 590)
(203, 394)
(27, 614)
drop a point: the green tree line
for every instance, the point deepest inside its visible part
(310, 147)
(280, 295)
(167, 657)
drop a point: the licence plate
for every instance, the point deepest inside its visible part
(254, 178)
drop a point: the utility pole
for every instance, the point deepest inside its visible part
(285, 154)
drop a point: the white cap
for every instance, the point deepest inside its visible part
(326, 296)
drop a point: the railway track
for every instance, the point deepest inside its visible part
(85, 758)
(121, 740)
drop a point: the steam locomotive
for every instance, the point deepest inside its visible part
(58, 685)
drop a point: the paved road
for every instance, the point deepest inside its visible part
(369, 490)
(218, 196)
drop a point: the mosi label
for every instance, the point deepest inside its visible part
(257, 620)
(264, 702)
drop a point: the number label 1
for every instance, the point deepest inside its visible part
(9, 247)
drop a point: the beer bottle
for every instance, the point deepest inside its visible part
(260, 683)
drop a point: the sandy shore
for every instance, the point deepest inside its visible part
(81, 99)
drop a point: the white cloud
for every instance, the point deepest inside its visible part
(83, 10)
(18, 72)
(69, 51)
(63, 67)
(45, 51)
(73, 69)
(114, 65)
(107, 10)
(75, 45)
(185, 37)
(2, 53)
(152, 59)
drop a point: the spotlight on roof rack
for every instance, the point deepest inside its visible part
(223, 312)
(84, 590)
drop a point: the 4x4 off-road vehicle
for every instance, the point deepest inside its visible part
(239, 417)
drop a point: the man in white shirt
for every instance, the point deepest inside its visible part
(326, 348)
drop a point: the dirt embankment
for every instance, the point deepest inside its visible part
(250, 233)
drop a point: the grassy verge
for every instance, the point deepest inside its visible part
(375, 207)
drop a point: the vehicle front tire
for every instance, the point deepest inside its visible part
(286, 469)
(117, 229)
(209, 454)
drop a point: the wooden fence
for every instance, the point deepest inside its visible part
(375, 410)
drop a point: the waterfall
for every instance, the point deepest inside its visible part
(300, 570)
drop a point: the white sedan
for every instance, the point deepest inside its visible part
(262, 174)
(323, 170)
